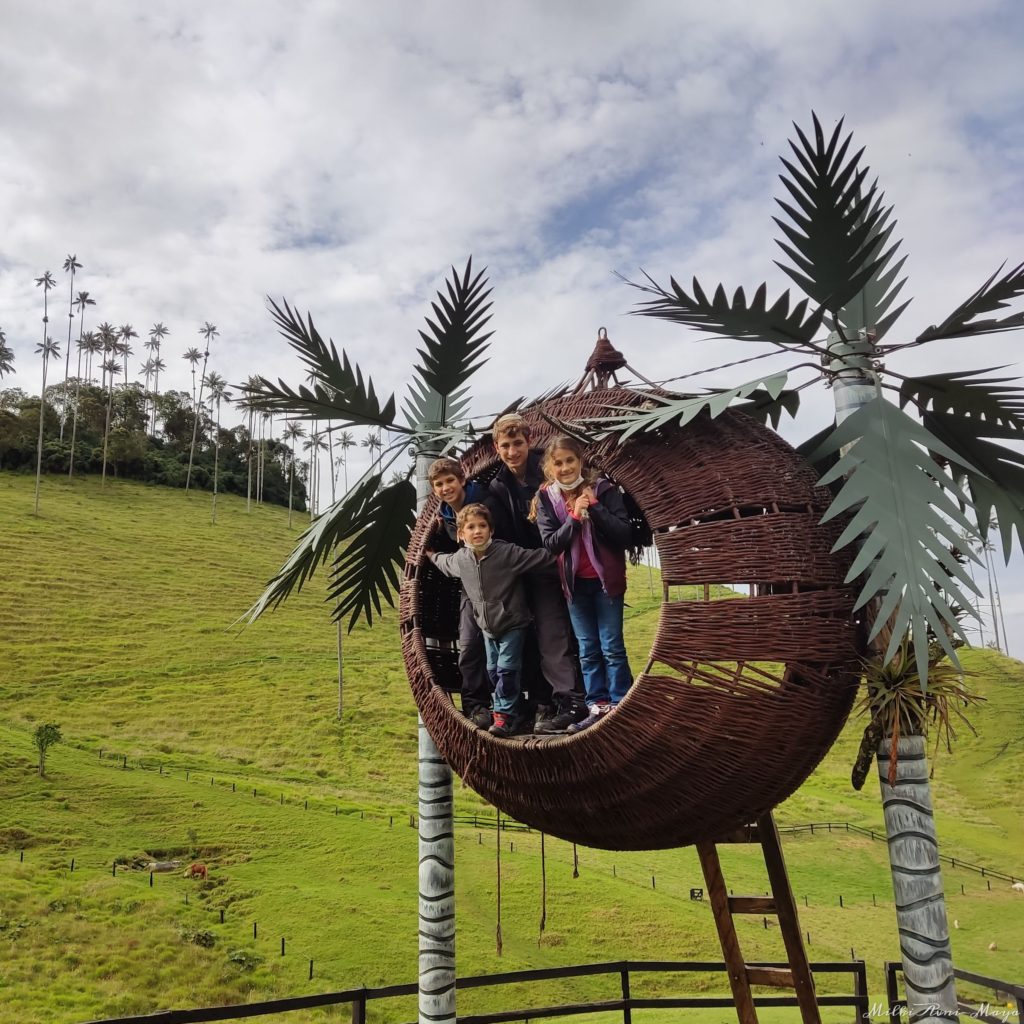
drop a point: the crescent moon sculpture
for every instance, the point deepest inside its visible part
(740, 698)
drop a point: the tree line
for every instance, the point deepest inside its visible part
(96, 419)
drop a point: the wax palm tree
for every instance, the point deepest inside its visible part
(291, 433)
(193, 356)
(46, 282)
(71, 264)
(248, 405)
(912, 484)
(81, 302)
(370, 526)
(123, 347)
(96, 346)
(6, 355)
(314, 446)
(157, 333)
(209, 332)
(47, 349)
(344, 442)
(111, 367)
(373, 442)
(218, 389)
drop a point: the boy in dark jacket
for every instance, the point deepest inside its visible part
(491, 573)
(448, 481)
(509, 498)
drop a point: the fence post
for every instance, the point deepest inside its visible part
(72, 863)
(151, 879)
(627, 1007)
(310, 970)
(359, 1008)
(860, 990)
(254, 929)
(221, 915)
(282, 945)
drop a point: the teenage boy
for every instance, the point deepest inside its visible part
(509, 497)
(491, 572)
(448, 481)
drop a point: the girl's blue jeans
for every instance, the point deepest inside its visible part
(504, 659)
(597, 623)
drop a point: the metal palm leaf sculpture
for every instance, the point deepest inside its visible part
(907, 481)
(371, 520)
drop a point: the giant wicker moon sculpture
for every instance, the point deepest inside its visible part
(739, 699)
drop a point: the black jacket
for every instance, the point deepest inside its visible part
(509, 503)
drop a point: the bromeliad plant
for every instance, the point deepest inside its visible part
(370, 525)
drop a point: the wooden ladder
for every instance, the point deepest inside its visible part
(781, 904)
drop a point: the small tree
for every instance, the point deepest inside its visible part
(45, 736)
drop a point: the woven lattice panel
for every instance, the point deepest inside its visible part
(741, 697)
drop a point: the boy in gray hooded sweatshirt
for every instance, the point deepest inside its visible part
(490, 572)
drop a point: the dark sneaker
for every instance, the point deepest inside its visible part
(502, 725)
(545, 712)
(597, 712)
(480, 717)
(563, 717)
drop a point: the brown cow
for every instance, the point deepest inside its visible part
(196, 870)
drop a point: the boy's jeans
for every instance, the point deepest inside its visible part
(597, 623)
(504, 658)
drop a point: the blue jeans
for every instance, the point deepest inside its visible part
(597, 623)
(504, 659)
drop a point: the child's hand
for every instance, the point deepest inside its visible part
(581, 506)
(588, 493)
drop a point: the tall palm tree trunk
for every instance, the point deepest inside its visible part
(341, 671)
(39, 446)
(67, 355)
(78, 394)
(248, 465)
(917, 882)
(436, 859)
(910, 825)
(291, 484)
(216, 465)
(106, 431)
(991, 594)
(330, 459)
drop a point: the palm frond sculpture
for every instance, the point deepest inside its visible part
(375, 521)
(910, 481)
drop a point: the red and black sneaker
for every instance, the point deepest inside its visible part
(502, 725)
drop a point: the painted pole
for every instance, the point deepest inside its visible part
(436, 858)
(909, 821)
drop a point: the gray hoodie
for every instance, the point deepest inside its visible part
(492, 583)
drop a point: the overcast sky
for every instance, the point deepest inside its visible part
(198, 157)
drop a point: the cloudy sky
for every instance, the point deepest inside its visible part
(198, 157)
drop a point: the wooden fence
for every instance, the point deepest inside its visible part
(360, 998)
(985, 1012)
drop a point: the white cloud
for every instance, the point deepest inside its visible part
(200, 157)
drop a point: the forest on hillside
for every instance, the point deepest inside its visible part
(136, 450)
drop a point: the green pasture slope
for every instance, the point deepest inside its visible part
(115, 622)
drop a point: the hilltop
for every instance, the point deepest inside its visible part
(116, 618)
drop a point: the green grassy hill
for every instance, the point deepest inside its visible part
(115, 621)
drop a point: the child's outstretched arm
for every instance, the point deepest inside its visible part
(448, 564)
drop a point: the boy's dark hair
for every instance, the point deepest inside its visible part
(476, 511)
(442, 467)
(510, 425)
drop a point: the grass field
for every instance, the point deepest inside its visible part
(116, 622)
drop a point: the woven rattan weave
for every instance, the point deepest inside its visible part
(741, 696)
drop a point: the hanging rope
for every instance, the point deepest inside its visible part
(497, 851)
(575, 862)
(543, 889)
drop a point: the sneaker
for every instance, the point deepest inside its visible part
(501, 725)
(545, 712)
(480, 717)
(597, 712)
(565, 716)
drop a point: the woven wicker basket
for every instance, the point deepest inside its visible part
(740, 699)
